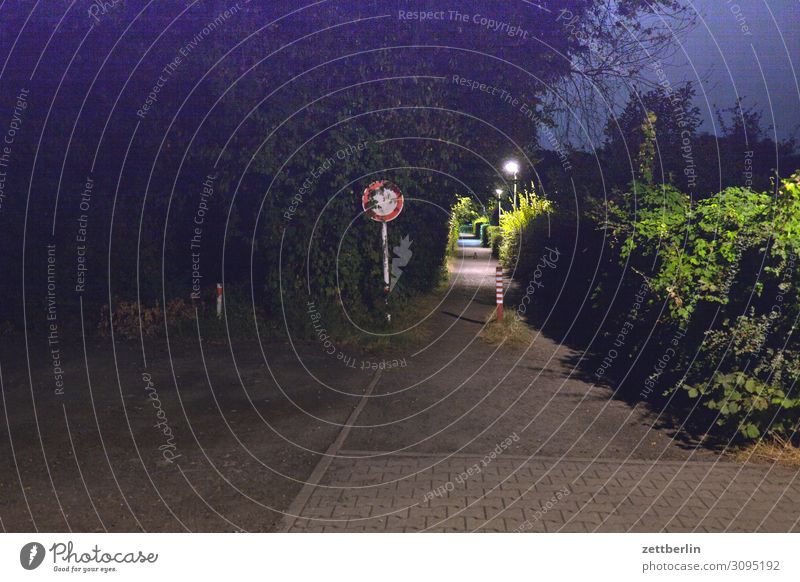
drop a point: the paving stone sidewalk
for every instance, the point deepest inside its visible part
(402, 493)
(617, 471)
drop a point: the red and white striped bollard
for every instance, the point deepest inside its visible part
(498, 287)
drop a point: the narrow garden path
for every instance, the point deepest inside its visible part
(473, 436)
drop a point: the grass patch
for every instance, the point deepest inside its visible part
(773, 450)
(405, 314)
(410, 314)
(512, 331)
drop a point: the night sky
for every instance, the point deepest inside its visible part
(732, 44)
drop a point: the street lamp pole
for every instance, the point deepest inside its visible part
(512, 167)
(515, 190)
(499, 193)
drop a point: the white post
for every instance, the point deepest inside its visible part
(515, 190)
(219, 300)
(385, 240)
(386, 283)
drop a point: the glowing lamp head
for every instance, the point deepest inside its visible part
(511, 167)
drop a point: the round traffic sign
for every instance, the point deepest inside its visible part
(382, 201)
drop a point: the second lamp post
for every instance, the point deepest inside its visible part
(512, 167)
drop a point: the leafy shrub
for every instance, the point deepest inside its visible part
(477, 224)
(484, 236)
(754, 391)
(699, 245)
(715, 286)
(126, 320)
(492, 237)
(737, 251)
(313, 242)
(495, 240)
(462, 213)
(129, 319)
(514, 223)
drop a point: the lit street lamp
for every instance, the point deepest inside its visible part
(512, 167)
(499, 193)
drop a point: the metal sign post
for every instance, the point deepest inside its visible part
(382, 202)
(385, 240)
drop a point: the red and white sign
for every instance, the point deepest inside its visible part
(382, 201)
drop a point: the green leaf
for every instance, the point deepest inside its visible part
(751, 431)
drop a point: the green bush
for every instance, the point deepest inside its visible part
(754, 394)
(697, 298)
(495, 239)
(515, 223)
(730, 254)
(699, 245)
(463, 211)
(476, 225)
(484, 236)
